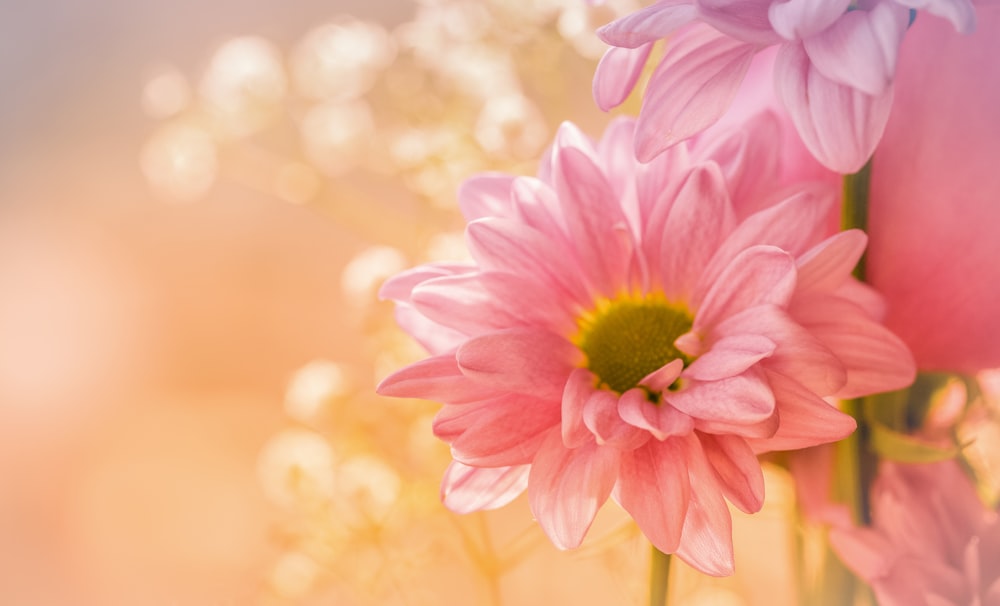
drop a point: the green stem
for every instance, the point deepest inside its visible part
(659, 575)
(854, 212)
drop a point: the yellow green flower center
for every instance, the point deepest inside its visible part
(626, 339)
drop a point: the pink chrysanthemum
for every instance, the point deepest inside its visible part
(641, 332)
(932, 542)
(833, 71)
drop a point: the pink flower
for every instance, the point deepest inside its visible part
(641, 332)
(932, 542)
(935, 199)
(833, 73)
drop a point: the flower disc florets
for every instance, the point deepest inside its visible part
(640, 332)
(626, 339)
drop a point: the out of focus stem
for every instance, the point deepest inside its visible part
(659, 575)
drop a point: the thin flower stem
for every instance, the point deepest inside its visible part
(854, 212)
(659, 575)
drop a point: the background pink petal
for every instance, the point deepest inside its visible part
(935, 193)
(797, 19)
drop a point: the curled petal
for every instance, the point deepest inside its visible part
(730, 356)
(647, 25)
(737, 468)
(840, 125)
(437, 378)
(661, 420)
(806, 419)
(617, 74)
(600, 414)
(798, 19)
(579, 387)
(744, 399)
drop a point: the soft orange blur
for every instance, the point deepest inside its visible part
(197, 202)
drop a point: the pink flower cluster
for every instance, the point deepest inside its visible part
(834, 69)
(642, 332)
(932, 542)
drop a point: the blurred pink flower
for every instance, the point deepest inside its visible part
(641, 332)
(935, 199)
(932, 542)
(834, 69)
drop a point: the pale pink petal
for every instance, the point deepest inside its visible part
(649, 24)
(527, 302)
(744, 399)
(961, 13)
(600, 414)
(660, 419)
(730, 356)
(700, 219)
(829, 264)
(876, 360)
(706, 539)
(579, 387)
(521, 360)
(797, 19)
(840, 125)
(433, 337)
(485, 195)
(510, 247)
(799, 354)
(653, 486)
(566, 487)
(745, 20)
(758, 275)
(865, 551)
(620, 167)
(806, 419)
(466, 489)
(461, 303)
(737, 469)
(595, 222)
(691, 88)
(399, 287)
(617, 74)
(934, 247)
(438, 379)
(860, 49)
(497, 433)
(537, 206)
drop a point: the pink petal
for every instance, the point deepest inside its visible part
(737, 468)
(461, 303)
(758, 275)
(876, 360)
(525, 301)
(860, 49)
(806, 419)
(512, 247)
(438, 379)
(485, 195)
(864, 551)
(566, 487)
(799, 354)
(653, 487)
(399, 287)
(829, 264)
(595, 221)
(617, 73)
(579, 387)
(436, 339)
(839, 125)
(649, 24)
(600, 414)
(797, 19)
(700, 218)
(521, 360)
(706, 540)
(933, 251)
(497, 433)
(744, 20)
(690, 89)
(744, 399)
(730, 356)
(661, 420)
(467, 489)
